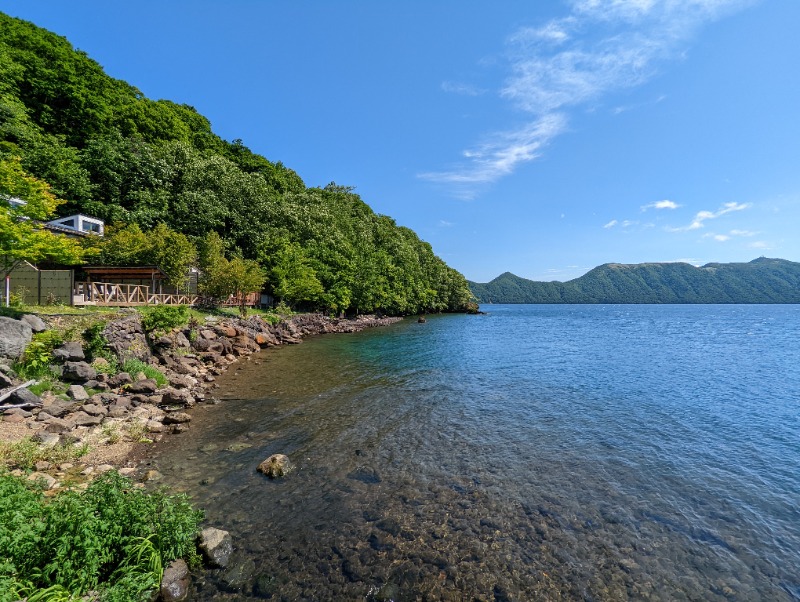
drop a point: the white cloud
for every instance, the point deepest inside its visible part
(500, 155)
(717, 237)
(600, 47)
(665, 204)
(742, 233)
(703, 216)
(445, 224)
(462, 88)
(611, 224)
(760, 244)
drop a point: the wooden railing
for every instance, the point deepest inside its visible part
(250, 300)
(123, 295)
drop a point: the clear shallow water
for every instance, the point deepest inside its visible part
(538, 452)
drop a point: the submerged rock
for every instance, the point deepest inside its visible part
(216, 545)
(277, 465)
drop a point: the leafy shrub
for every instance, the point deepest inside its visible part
(39, 354)
(164, 317)
(112, 538)
(134, 366)
(95, 344)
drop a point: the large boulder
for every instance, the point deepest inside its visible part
(126, 338)
(277, 465)
(216, 545)
(14, 337)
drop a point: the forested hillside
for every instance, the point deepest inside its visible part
(759, 281)
(111, 153)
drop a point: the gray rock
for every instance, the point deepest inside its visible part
(182, 381)
(77, 392)
(147, 386)
(14, 337)
(94, 409)
(175, 582)
(84, 419)
(59, 408)
(277, 465)
(57, 425)
(46, 439)
(35, 322)
(78, 372)
(71, 351)
(182, 341)
(216, 545)
(21, 396)
(123, 378)
(180, 397)
(5, 381)
(238, 574)
(177, 418)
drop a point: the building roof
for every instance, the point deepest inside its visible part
(120, 271)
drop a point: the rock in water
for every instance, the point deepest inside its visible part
(277, 465)
(175, 582)
(216, 545)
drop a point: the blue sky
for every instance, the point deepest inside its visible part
(541, 138)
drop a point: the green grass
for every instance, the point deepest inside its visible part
(113, 539)
(26, 452)
(133, 367)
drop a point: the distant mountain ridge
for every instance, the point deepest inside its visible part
(762, 280)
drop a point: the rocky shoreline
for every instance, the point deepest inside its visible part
(111, 414)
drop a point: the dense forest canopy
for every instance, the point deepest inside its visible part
(112, 153)
(762, 280)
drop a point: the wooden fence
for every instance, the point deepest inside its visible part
(125, 295)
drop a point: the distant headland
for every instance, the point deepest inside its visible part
(762, 280)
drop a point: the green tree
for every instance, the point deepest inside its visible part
(171, 251)
(23, 236)
(222, 278)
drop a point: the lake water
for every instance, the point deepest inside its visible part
(534, 453)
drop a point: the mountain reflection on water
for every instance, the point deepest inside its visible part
(535, 453)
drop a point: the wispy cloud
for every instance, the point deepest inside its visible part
(611, 224)
(599, 47)
(499, 155)
(702, 216)
(729, 235)
(665, 204)
(462, 88)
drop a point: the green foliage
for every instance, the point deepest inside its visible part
(134, 366)
(113, 538)
(224, 277)
(157, 169)
(38, 354)
(759, 281)
(164, 317)
(171, 251)
(22, 235)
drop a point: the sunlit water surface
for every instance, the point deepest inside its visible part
(534, 453)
